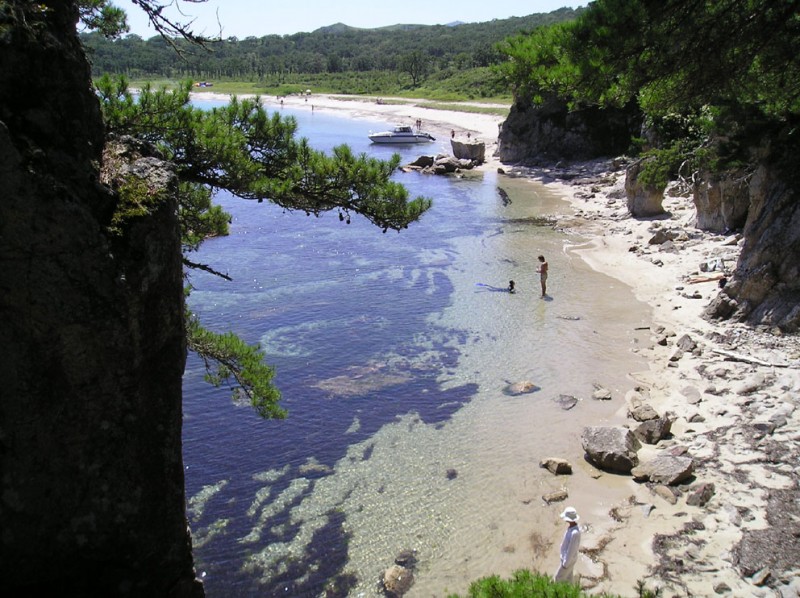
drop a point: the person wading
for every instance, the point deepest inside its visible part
(542, 270)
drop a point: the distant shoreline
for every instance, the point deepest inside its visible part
(441, 123)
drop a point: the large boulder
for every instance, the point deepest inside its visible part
(397, 580)
(612, 449)
(472, 151)
(665, 469)
(644, 200)
(422, 162)
(653, 431)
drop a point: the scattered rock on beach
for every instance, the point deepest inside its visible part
(686, 343)
(642, 412)
(664, 469)
(638, 409)
(557, 496)
(397, 580)
(601, 394)
(612, 449)
(556, 465)
(406, 558)
(661, 236)
(653, 431)
(666, 493)
(700, 495)
(566, 402)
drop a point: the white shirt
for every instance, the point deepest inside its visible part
(569, 546)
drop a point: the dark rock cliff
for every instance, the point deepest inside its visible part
(765, 286)
(91, 333)
(550, 132)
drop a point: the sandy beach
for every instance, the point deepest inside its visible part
(731, 391)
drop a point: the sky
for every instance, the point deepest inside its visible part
(245, 18)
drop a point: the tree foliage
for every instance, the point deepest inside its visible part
(229, 360)
(729, 66)
(524, 583)
(244, 149)
(111, 22)
(334, 49)
(107, 19)
(417, 65)
(670, 55)
(254, 155)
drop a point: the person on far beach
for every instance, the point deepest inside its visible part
(542, 270)
(511, 286)
(569, 546)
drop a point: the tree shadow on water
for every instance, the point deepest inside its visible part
(319, 571)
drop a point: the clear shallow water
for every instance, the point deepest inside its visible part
(392, 352)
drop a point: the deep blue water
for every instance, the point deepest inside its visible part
(353, 321)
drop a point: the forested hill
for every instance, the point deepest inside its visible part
(334, 49)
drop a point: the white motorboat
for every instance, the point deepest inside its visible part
(401, 134)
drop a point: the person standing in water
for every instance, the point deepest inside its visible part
(542, 270)
(569, 546)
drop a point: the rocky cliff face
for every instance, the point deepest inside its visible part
(550, 132)
(722, 200)
(765, 287)
(91, 331)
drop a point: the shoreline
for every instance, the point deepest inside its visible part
(732, 397)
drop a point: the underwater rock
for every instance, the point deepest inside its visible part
(520, 388)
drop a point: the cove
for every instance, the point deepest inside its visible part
(392, 352)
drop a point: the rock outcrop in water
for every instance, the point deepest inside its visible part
(91, 330)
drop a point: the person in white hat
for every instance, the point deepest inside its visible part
(569, 546)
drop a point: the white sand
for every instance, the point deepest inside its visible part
(621, 549)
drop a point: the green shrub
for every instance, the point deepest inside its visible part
(522, 584)
(528, 584)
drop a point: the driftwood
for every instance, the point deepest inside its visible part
(734, 357)
(708, 278)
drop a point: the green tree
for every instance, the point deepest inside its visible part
(417, 65)
(257, 156)
(671, 55)
(103, 17)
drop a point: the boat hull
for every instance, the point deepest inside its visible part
(401, 134)
(390, 139)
